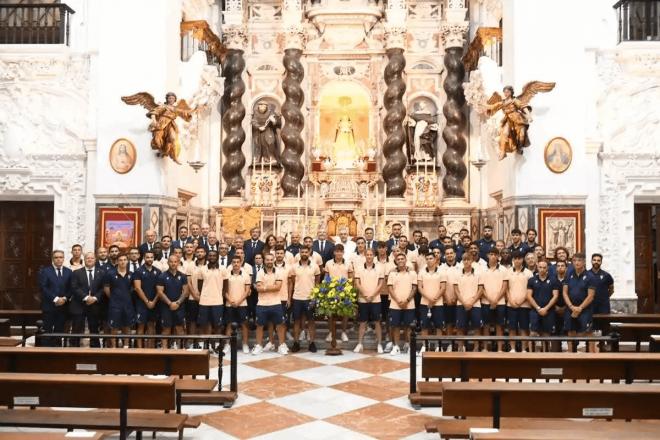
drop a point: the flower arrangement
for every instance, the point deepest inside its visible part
(334, 297)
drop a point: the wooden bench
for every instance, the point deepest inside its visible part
(120, 361)
(557, 400)
(23, 319)
(635, 332)
(604, 320)
(654, 346)
(576, 431)
(616, 367)
(86, 435)
(448, 427)
(9, 342)
(103, 392)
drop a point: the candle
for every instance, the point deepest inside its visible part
(261, 220)
(367, 203)
(270, 167)
(316, 200)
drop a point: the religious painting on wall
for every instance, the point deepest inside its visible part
(561, 228)
(120, 226)
(558, 155)
(122, 156)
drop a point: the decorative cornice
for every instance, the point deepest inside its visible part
(453, 33)
(395, 37)
(235, 37)
(294, 36)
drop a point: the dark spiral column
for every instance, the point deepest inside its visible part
(232, 119)
(454, 132)
(395, 159)
(294, 146)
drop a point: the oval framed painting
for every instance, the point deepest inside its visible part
(558, 155)
(122, 156)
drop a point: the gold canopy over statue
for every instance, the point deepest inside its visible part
(517, 115)
(165, 133)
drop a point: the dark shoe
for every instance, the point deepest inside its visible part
(312, 347)
(295, 348)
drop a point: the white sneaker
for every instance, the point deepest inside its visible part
(513, 350)
(379, 348)
(283, 349)
(388, 347)
(437, 348)
(395, 351)
(344, 337)
(269, 346)
(175, 346)
(289, 337)
(257, 349)
(421, 351)
(406, 347)
(303, 335)
(246, 349)
(226, 349)
(328, 338)
(358, 349)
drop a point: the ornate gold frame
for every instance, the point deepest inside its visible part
(545, 154)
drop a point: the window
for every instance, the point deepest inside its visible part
(39, 23)
(638, 20)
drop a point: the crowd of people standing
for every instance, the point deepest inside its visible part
(197, 284)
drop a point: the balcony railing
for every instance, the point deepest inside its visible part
(487, 42)
(639, 20)
(198, 36)
(28, 23)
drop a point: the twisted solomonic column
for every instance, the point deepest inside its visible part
(454, 133)
(395, 159)
(233, 113)
(294, 146)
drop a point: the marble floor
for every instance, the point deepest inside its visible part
(313, 396)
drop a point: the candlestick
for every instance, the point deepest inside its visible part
(316, 200)
(306, 212)
(299, 201)
(384, 211)
(376, 221)
(367, 205)
(261, 220)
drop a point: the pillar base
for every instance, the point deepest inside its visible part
(455, 214)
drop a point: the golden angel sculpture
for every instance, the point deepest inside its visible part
(517, 115)
(164, 131)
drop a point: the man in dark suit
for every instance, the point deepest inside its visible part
(182, 240)
(212, 243)
(324, 247)
(414, 244)
(195, 234)
(102, 260)
(253, 246)
(55, 286)
(254, 295)
(394, 240)
(149, 244)
(85, 305)
(204, 238)
(370, 242)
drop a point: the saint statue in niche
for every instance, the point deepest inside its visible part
(265, 134)
(422, 132)
(517, 115)
(164, 131)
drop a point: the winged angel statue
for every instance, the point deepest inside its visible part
(517, 115)
(165, 133)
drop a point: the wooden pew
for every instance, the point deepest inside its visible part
(574, 431)
(103, 392)
(616, 367)
(448, 427)
(86, 435)
(9, 342)
(604, 320)
(562, 400)
(635, 332)
(120, 361)
(5, 327)
(22, 319)
(654, 346)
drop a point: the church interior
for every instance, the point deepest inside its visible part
(474, 185)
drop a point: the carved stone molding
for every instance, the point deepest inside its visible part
(294, 37)
(395, 37)
(453, 34)
(235, 37)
